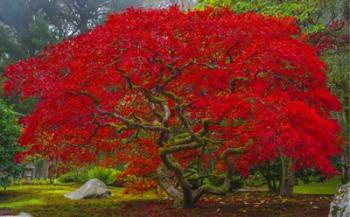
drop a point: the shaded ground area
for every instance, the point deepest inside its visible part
(48, 201)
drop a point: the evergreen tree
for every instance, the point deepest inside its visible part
(9, 132)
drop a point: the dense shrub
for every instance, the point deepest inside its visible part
(73, 177)
(107, 175)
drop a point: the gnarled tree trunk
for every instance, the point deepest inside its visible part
(181, 191)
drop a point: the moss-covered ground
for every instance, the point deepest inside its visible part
(47, 201)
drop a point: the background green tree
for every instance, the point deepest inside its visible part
(307, 12)
(9, 132)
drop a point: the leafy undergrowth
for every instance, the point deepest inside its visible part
(48, 201)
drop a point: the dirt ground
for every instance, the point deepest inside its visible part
(243, 205)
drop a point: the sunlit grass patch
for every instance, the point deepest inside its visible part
(23, 203)
(327, 187)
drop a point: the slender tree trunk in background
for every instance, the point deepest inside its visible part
(345, 160)
(346, 10)
(347, 168)
(83, 25)
(346, 120)
(54, 169)
(346, 154)
(44, 173)
(345, 157)
(287, 177)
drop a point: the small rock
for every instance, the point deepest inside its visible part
(7, 211)
(93, 188)
(22, 214)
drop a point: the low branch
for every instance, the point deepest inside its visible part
(178, 148)
(187, 125)
(176, 72)
(131, 123)
(125, 120)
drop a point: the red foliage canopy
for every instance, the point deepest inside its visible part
(201, 82)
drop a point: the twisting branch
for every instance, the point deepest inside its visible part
(131, 123)
(227, 185)
(176, 72)
(187, 125)
(178, 148)
(125, 120)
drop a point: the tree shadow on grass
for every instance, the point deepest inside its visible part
(6, 196)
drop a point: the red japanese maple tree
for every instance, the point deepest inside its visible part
(174, 91)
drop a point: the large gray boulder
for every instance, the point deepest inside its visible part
(93, 188)
(340, 206)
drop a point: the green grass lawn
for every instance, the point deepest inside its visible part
(328, 187)
(48, 201)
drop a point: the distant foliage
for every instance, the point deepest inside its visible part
(339, 77)
(9, 132)
(72, 177)
(306, 12)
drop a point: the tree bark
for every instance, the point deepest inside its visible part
(287, 177)
(345, 175)
(44, 170)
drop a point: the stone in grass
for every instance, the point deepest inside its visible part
(93, 188)
(22, 214)
(7, 211)
(340, 206)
